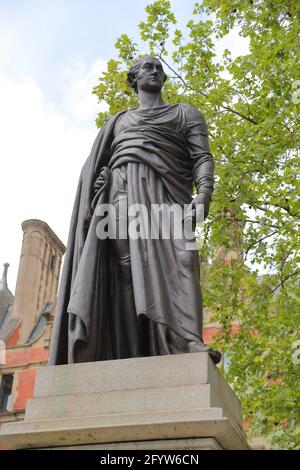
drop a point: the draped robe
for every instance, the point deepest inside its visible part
(158, 153)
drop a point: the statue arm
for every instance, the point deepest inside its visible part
(198, 147)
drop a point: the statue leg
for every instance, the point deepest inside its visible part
(121, 249)
(128, 307)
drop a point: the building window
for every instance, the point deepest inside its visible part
(52, 262)
(6, 385)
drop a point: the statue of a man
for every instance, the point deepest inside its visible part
(124, 296)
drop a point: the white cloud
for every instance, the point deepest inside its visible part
(77, 84)
(42, 149)
(238, 45)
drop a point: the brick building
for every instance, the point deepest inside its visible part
(26, 318)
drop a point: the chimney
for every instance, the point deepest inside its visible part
(234, 230)
(38, 274)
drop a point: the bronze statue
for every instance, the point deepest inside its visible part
(123, 297)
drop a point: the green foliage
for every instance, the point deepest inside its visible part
(251, 104)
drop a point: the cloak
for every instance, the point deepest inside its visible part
(84, 268)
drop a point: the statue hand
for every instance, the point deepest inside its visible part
(98, 183)
(103, 179)
(101, 185)
(200, 199)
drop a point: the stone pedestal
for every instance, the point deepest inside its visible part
(167, 402)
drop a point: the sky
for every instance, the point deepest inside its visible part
(51, 54)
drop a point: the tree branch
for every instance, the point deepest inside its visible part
(279, 206)
(259, 222)
(238, 114)
(281, 284)
(258, 241)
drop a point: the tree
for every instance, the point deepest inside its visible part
(251, 104)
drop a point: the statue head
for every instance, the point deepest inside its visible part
(147, 72)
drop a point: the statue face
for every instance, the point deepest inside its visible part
(150, 76)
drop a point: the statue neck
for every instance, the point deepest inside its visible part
(150, 100)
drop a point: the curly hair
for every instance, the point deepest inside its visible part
(132, 72)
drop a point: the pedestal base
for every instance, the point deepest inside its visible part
(167, 402)
(208, 443)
